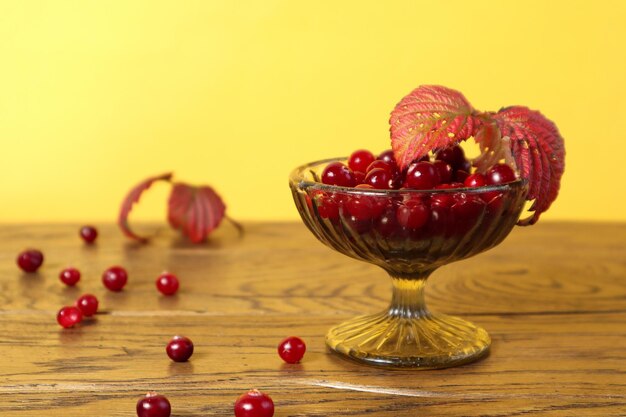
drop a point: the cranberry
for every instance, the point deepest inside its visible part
(360, 160)
(88, 233)
(87, 304)
(115, 278)
(389, 167)
(153, 405)
(254, 403)
(179, 349)
(337, 173)
(467, 211)
(167, 283)
(453, 155)
(361, 208)
(30, 260)
(422, 176)
(359, 177)
(69, 316)
(388, 157)
(379, 179)
(413, 214)
(500, 174)
(292, 349)
(444, 170)
(475, 180)
(460, 175)
(327, 207)
(387, 223)
(70, 276)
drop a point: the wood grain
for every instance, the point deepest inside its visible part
(553, 298)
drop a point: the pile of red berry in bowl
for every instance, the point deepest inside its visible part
(365, 206)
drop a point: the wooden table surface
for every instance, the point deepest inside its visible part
(552, 296)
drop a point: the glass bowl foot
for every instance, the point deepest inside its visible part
(422, 342)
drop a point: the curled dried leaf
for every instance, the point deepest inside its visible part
(195, 211)
(133, 197)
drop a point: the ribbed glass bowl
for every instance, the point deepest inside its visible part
(365, 224)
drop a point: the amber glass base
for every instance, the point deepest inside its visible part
(408, 336)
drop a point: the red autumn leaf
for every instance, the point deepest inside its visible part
(539, 153)
(429, 118)
(133, 197)
(196, 211)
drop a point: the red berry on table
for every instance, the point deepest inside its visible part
(500, 174)
(292, 349)
(153, 405)
(337, 173)
(360, 160)
(87, 304)
(179, 349)
(88, 233)
(69, 316)
(475, 180)
(70, 276)
(254, 403)
(115, 278)
(380, 179)
(167, 283)
(422, 176)
(30, 260)
(413, 214)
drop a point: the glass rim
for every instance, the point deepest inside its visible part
(297, 178)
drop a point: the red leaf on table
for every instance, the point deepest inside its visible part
(429, 118)
(196, 211)
(133, 197)
(539, 153)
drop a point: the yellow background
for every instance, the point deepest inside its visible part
(97, 95)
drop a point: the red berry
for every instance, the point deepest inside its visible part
(167, 283)
(360, 160)
(387, 223)
(380, 179)
(444, 170)
(115, 278)
(327, 207)
(292, 349)
(30, 260)
(359, 177)
(88, 233)
(179, 349)
(70, 276)
(460, 175)
(453, 155)
(361, 208)
(466, 212)
(87, 304)
(413, 214)
(337, 173)
(388, 157)
(153, 405)
(475, 180)
(422, 176)
(69, 316)
(500, 174)
(254, 403)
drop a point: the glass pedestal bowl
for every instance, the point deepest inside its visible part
(408, 233)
